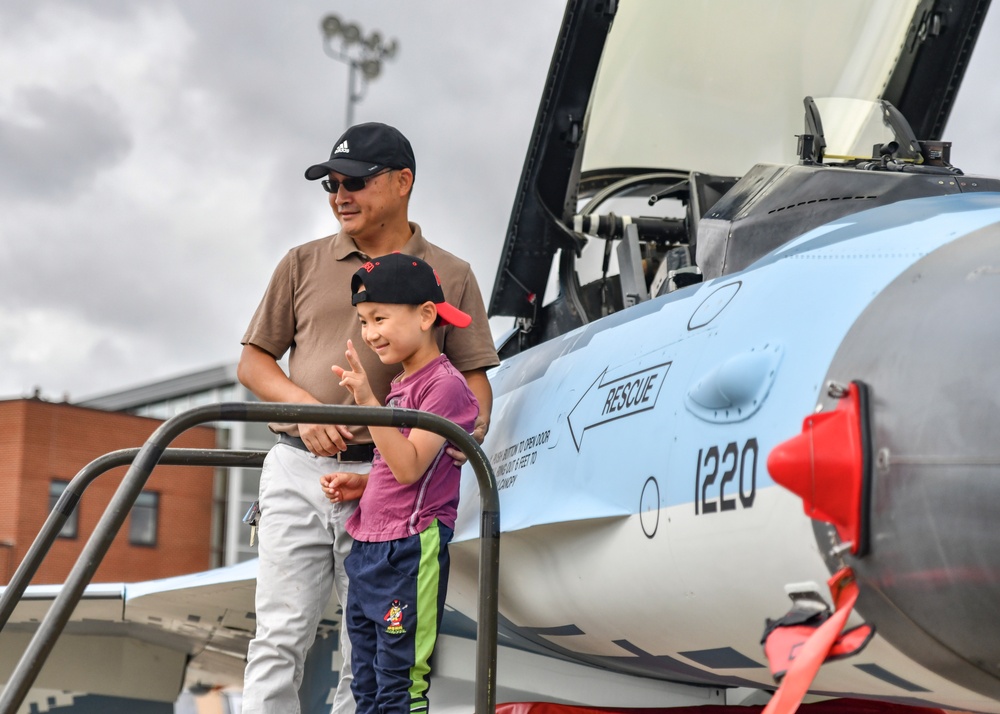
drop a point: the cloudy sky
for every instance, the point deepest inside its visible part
(151, 158)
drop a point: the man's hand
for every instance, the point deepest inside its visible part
(355, 379)
(478, 433)
(479, 430)
(259, 372)
(325, 439)
(341, 486)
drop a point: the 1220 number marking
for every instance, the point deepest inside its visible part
(714, 490)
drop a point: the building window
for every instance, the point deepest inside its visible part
(69, 529)
(145, 516)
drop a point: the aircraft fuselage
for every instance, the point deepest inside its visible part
(642, 530)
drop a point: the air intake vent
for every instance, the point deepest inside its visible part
(822, 200)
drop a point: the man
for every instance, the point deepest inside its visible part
(307, 309)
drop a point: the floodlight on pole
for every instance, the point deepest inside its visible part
(346, 42)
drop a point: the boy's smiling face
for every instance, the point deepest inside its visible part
(399, 334)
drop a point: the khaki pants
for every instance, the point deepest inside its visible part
(302, 549)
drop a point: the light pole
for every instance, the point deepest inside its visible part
(346, 42)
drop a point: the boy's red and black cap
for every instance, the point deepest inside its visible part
(400, 279)
(364, 150)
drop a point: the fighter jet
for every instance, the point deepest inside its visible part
(743, 430)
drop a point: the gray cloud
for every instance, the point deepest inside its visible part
(55, 144)
(200, 118)
(20, 16)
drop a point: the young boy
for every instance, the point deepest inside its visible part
(398, 566)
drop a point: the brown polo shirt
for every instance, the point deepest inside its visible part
(307, 310)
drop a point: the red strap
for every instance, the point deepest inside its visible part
(783, 644)
(814, 652)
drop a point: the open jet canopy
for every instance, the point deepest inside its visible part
(726, 92)
(633, 110)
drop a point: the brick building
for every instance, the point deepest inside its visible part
(43, 445)
(235, 488)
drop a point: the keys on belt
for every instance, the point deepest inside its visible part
(252, 519)
(353, 452)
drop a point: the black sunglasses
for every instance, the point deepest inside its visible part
(351, 184)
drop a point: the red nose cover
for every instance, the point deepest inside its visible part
(825, 465)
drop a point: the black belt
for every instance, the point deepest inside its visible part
(353, 452)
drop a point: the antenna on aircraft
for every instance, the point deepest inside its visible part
(345, 42)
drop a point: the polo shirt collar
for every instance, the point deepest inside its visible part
(344, 245)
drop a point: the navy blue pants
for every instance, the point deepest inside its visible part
(395, 603)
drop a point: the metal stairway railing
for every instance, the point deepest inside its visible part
(155, 449)
(70, 498)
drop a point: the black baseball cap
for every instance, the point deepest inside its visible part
(399, 279)
(366, 149)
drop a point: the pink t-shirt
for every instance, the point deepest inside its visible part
(389, 510)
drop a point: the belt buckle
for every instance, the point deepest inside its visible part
(343, 458)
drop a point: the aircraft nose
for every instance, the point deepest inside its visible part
(928, 347)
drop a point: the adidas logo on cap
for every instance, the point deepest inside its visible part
(342, 149)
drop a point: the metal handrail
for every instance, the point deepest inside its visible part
(121, 503)
(70, 498)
